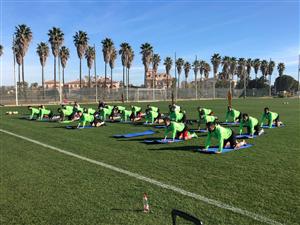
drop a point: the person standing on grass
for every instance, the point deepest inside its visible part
(225, 136)
(253, 127)
(34, 112)
(178, 130)
(88, 118)
(234, 114)
(272, 117)
(45, 112)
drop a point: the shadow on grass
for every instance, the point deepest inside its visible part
(128, 210)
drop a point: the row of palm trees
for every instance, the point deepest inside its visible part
(231, 66)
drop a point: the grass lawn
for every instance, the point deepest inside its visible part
(42, 186)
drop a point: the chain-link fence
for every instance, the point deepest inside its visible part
(37, 96)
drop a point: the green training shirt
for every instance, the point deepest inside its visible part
(251, 123)
(174, 127)
(233, 114)
(221, 134)
(271, 116)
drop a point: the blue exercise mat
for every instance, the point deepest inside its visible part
(214, 150)
(138, 134)
(75, 127)
(245, 136)
(160, 126)
(161, 141)
(273, 126)
(199, 131)
(230, 123)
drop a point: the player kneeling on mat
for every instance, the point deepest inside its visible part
(234, 114)
(253, 127)
(178, 130)
(225, 136)
(272, 117)
(85, 117)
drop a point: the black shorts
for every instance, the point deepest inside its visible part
(231, 140)
(256, 128)
(277, 119)
(239, 117)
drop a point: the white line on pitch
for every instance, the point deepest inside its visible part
(155, 182)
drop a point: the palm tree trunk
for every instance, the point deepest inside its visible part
(127, 86)
(54, 71)
(19, 75)
(270, 91)
(63, 76)
(186, 82)
(111, 78)
(89, 77)
(43, 82)
(23, 70)
(196, 87)
(123, 77)
(105, 76)
(178, 84)
(80, 84)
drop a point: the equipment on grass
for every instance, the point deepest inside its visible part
(160, 126)
(214, 150)
(138, 134)
(75, 127)
(162, 141)
(245, 136)
(146, 204)
(177, 213)
(230, 123)
(273, 126)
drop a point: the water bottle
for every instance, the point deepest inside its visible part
(146, 204)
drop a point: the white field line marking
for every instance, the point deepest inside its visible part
(155, 182)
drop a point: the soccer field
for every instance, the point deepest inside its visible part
(40, 185)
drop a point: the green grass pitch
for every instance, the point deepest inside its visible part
(42, 186)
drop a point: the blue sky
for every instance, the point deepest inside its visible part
(257, 29)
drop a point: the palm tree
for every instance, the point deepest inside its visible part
(187, 68)
(270, 72)
(64, 55)
(216, 61)
(18, 58)
(112, 61)
(256, 65)
(90, 57)
(196, 66)
(232, 70)
(124, 51)
(128, 66)
(147, 54)
(155, 61)
(56, 39)
(206, 69)
(107, 49)
(249, 64)
(226, 67)
(179, 64)
(43, 53)
(1, 50)
(241, 71)
(23, 38)
(280, 68)
(168, 62)
(264, 66)
(81, 43)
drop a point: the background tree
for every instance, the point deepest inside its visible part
(179, 64)
(90, 57)
(18, 57)
(206, 69)
(56, 39)
(168, 62)
(280, 68)
(80, 40)
(270, 72)
(286, 83)
(64, 55)
(215, 61)
(1, 50)
(128, 66)
(107, 49)
(155, 62)
(241, 71)
(43, 53)
(232, 71)
(196, 66)
(112, 61)
(249, 64)
(124, 51)
(264, 66)
(226, 67)
(187, 68)
(147, 54)
(23, 37)
(256, 65)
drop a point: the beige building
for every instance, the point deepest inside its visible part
(160, 80)
(49, 84)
